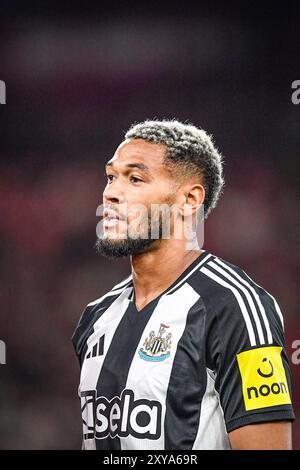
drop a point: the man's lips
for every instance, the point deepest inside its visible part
(112, 218)
(109, 214)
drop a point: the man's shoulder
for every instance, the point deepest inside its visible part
(237, 302)
(222, 283)
(114, 292)
(93, 311)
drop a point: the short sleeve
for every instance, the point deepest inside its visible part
(81, 332)
(253, 377)
(85, 325)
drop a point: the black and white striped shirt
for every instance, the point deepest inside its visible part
(205, 357)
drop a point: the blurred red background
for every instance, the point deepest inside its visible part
(75, 82)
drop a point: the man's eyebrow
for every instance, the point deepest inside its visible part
(140, 166)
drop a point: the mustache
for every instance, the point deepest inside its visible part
(112, 212)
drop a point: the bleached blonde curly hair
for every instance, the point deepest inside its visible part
(190, 151)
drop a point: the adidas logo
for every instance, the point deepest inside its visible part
(97, 349)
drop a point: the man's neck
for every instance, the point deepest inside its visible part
(153, 272)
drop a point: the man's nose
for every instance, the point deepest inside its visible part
(113, 193)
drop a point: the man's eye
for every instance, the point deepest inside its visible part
(134, 179)
(109, 178)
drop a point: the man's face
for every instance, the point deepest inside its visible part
(137, 181)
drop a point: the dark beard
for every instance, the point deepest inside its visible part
(132, 246)
(118, 249)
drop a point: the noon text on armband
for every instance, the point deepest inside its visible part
(121, 416)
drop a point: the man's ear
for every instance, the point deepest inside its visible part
(193, 199)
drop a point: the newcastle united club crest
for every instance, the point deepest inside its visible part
(157, 346)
